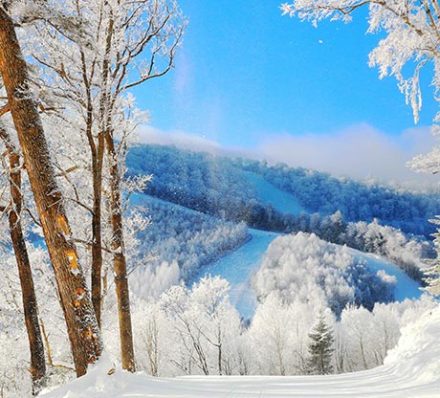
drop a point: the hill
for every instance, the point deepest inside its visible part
(262, 195)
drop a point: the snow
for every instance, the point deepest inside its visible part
(411, 370)
(238, 266)
(270, 194)
(406, 287)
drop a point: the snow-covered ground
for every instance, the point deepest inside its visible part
(411, 370)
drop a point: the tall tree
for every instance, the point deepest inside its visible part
(121, 44)
(321, 348)
(80, 318)
(30, 307)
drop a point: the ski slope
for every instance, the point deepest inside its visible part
(270, 194)
(406, 287)
(238, 267)
(411, 370)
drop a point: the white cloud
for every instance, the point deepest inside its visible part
(359, 151)
(181, 139)
(184, 140)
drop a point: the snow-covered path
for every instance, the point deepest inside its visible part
(411, 370)
(378, 383)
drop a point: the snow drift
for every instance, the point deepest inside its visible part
(412, 369)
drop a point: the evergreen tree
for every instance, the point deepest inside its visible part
(321, 348)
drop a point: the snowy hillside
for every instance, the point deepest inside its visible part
(186, 237)
(411, 370)
(282, 199)
(252, 191)
(239, 266)
(278, 199)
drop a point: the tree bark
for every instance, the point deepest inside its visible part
(97, 150)
(119, 262)
(82, 326)
(97, 155)
(97, 164)
(96, 230)
(30, 307)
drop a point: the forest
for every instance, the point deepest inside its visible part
(218, 186)
(132, 268)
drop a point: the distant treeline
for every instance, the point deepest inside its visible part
(218, 186)
(339, 211)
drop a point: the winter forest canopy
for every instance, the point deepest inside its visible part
(128, 264)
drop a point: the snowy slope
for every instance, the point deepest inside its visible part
(406, 288)
(238, 266)
(268, 193)
(411, 370)
(189, 177)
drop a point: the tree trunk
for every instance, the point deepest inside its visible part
(119, 263)
(97, 155)
(78, 311)
(30, 307)
(97, 162)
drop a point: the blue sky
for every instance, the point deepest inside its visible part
(245, 72)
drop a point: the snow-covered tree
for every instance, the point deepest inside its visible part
(206, 325)
(86, 62)
(80, 318)
(277, 336)
(13, 168)
(304, 268)
(321, 348)
(411, 37)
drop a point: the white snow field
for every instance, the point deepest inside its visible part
(411, 370)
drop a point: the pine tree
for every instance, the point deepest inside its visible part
(321, 348)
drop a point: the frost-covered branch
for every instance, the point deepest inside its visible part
(412, 37)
